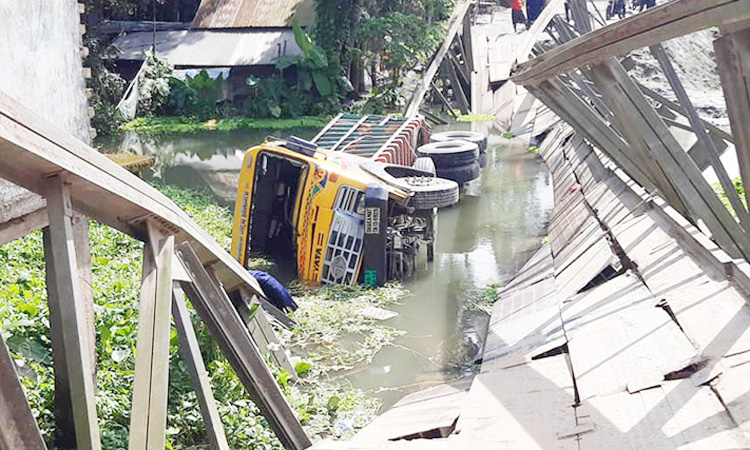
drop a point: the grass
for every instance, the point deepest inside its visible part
(719, 189)
(475, 118)
(326, 321)
(176, 124)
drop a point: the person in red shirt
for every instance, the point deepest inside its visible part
(517, 13)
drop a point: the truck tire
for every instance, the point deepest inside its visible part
(427, 190)
(450, 153)
(460, 174)
(424, 163)
(431, 192)
(471, 136)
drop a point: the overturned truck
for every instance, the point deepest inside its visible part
(357, 203)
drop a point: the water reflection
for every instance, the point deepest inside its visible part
(209, 159)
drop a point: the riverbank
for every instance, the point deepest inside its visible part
(326, 408)
(178, 124)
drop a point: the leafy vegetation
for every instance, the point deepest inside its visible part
(326, 408)
(475, 118)
(174, 124)
(719, 189)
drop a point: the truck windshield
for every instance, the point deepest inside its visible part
(275, 192)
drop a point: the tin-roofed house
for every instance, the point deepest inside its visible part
(236, 37)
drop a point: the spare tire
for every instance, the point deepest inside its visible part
(427, 190)
(424, 163)
(450, 153)
(431, 192)
(471, 136)
(460, 174)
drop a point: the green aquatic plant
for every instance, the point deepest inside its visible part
(326, 408)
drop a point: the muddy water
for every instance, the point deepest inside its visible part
(499, 222)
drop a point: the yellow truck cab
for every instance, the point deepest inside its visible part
(309, 204)
(353, 211)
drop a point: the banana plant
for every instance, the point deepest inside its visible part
(313, 68)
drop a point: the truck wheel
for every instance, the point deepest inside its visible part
(450, 153)
(460, 174)
(471, 136)
(424, 163)
(431, 192)
(427, 191)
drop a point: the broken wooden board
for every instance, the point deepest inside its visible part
(620, 341)
(525, 322)
(734, 391)
(524, 407)
(432, 409)
(677, 415)
(537, 268)
(375, 313)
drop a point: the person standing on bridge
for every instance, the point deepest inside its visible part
(516, 7)
(533, 9)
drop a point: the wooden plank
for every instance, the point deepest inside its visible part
(144, 354)
(457, 88)
(658, 24)
(65, 436)
(619, 341)
(700, 131)
(694, 191)
(643, 144)
(536, 30)
(456, 21)
(68, 307)
(467, 49)
(733, 60)
(677, 415)
(18, 428)
(32, 148)
(435, 408)
(163, 245)
(525, 322)
(191, 354)
(679, 109)
(21, 226)
(148, 417)
(524, 407)
(225, 325)
(589, 124)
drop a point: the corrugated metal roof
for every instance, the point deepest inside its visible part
(211, 48)
(253, 13)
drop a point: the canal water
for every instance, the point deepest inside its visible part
(499, 222)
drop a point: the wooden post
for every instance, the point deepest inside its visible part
(709, 149)
(18, 428)
(733, 59)
(225, 325)
(467, 48)
(191, 354)
(458, 89)
(148, 418)
(67, 313)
